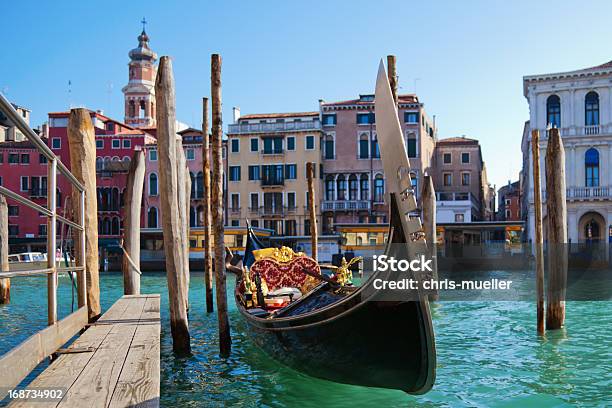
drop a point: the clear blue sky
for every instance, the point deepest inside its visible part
(469, 57)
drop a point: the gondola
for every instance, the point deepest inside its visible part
(338, 332)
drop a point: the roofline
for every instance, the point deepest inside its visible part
(278, 114)
(584, 72)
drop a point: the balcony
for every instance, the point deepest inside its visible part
(345, 205)
(457, 199)
(273, 152)
(272, 182)
(108, 168)
(235, 210)
(272, 210)
(589, 193)
(241, 128)
(38, 192)
(580, 130)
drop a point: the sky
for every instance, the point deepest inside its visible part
(465, 59)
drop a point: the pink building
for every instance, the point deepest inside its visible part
(354, 183)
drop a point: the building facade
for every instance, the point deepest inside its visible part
(266, 174)
(8, 131)
(579, 104)
(460, 181)
(509, 202)
(353, 180)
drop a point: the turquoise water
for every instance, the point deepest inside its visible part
(488, 356)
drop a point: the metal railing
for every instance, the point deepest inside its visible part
(345, 205)
(53, 166)
(238, 128)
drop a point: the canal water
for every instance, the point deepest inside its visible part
(488, 355)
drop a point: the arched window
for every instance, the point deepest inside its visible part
(353, 187)
(375, 149)
(329, 188)
(364, 145)
(106, 226)
(99, 198)
(99, 163)
(365, 187)
(200, 216)
(553, 111)
(199, 185)
(591, 109)
(141, 111)
(132, 108)
(379, 189)
(330, 149)
(192, 216)
(126, 159)
(591, 168)
(153, 184)
(115, 199)
(115, 226)
(152, 218)
(193, 185)
(341, 182)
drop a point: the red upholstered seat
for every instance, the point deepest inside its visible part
(287, 274)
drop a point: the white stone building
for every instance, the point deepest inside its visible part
(579, 103)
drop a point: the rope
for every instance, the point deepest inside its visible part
(136, 268)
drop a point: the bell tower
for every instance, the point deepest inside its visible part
(139, 93)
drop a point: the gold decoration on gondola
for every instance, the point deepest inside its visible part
(344, 275)
(281, 255)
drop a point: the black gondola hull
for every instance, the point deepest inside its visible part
(373, 344)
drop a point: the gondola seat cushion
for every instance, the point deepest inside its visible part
(283, 268)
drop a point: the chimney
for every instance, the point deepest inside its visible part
(236, 111)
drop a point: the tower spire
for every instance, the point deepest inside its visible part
(139, 93)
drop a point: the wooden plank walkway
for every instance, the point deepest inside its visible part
(114, 363)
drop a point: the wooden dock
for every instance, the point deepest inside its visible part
(114, 363)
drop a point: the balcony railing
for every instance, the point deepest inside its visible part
(589, 193)
(272, 152)
(272, 210)
(239, 128)
(114, 166)
(38, 192)
(457, 196)
(272, 181)
(345, 205)
(581, 130)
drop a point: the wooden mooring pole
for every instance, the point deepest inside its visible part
(392, 75)
(539, 238)
(131, 229)
(428, 199)
(82, 145)
(312, 209)
(183, 200)
(168, 177)
(208, 268)
(5, 283)
(556, 207)
(225, 340)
